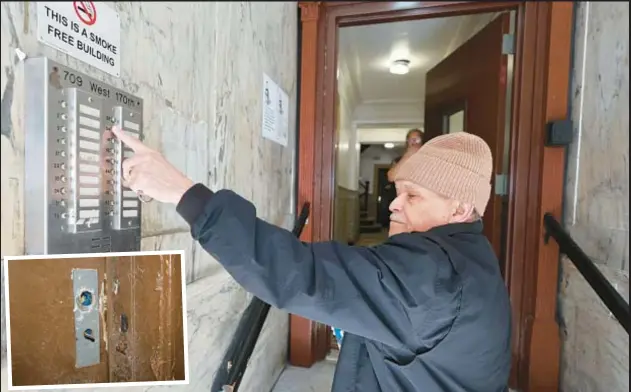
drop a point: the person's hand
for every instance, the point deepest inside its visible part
(413, 147)
(148, 172)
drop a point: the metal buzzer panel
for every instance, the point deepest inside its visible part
(74, 199)
(127, 211)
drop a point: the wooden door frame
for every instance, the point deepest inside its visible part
(375, 186)
(540, 95)
(375, 176)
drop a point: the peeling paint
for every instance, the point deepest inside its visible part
(103, 313)
(6, 104)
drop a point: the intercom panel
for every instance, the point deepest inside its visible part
(75, 201)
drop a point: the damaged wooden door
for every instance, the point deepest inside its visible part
(467, 92)
(139, 336)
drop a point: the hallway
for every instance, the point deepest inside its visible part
(318, 378)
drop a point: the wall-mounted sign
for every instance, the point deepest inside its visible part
(85, 30)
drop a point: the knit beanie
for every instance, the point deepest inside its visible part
(456, 165)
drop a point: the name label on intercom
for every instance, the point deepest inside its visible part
(75, 199)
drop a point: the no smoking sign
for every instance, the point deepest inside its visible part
(86, 30)
(86, 11)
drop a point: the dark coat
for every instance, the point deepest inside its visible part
(421, 312)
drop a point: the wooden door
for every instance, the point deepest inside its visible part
(144, 319)
(386, 193)
(467, 92)
(140, 321)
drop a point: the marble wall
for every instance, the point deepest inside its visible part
(199, 68)
(595, 353)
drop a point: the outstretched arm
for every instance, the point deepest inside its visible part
(347, 287)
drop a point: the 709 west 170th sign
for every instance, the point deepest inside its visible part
(85, 30)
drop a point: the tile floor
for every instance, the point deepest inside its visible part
(318, 378)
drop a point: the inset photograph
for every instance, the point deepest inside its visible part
(96, 319)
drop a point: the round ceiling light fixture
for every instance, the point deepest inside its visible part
(400, 67)
(389, 145)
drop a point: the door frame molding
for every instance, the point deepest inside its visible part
(536, 175)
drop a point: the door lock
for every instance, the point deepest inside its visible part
(85, 283)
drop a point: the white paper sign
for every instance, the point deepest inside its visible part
(269, 108)
(275, 122)
(283, 117)
(85, 30)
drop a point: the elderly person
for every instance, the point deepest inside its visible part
(425, 311)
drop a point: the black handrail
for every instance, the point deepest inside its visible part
(233, 366)
(607, 293)
(364, 194)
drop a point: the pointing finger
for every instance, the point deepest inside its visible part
(130, 141)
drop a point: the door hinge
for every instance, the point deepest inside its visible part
(559, 133)
(508, 44)
(501, 184)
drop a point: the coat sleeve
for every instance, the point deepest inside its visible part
(342, 286)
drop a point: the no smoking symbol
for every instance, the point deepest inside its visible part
(86, 11)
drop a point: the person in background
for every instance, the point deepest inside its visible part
(425, 311)
(413, 141)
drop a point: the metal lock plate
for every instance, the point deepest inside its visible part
(85, 283)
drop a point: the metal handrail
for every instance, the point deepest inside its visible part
(364, 195)
(612, 299)
(235, 361)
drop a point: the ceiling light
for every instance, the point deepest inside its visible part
(400, 67)
(389, 145)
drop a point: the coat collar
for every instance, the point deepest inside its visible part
(457, 228)
(445, 230)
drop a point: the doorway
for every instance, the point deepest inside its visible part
(539, 95)
(385, 195)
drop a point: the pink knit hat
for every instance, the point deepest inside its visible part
(457, 165)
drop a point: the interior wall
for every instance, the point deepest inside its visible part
(375, 155)
(346, 207)
(391, 113)
(347, 167)
(410, 113)
(595, 354)
(379, 135)
(199, 69)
